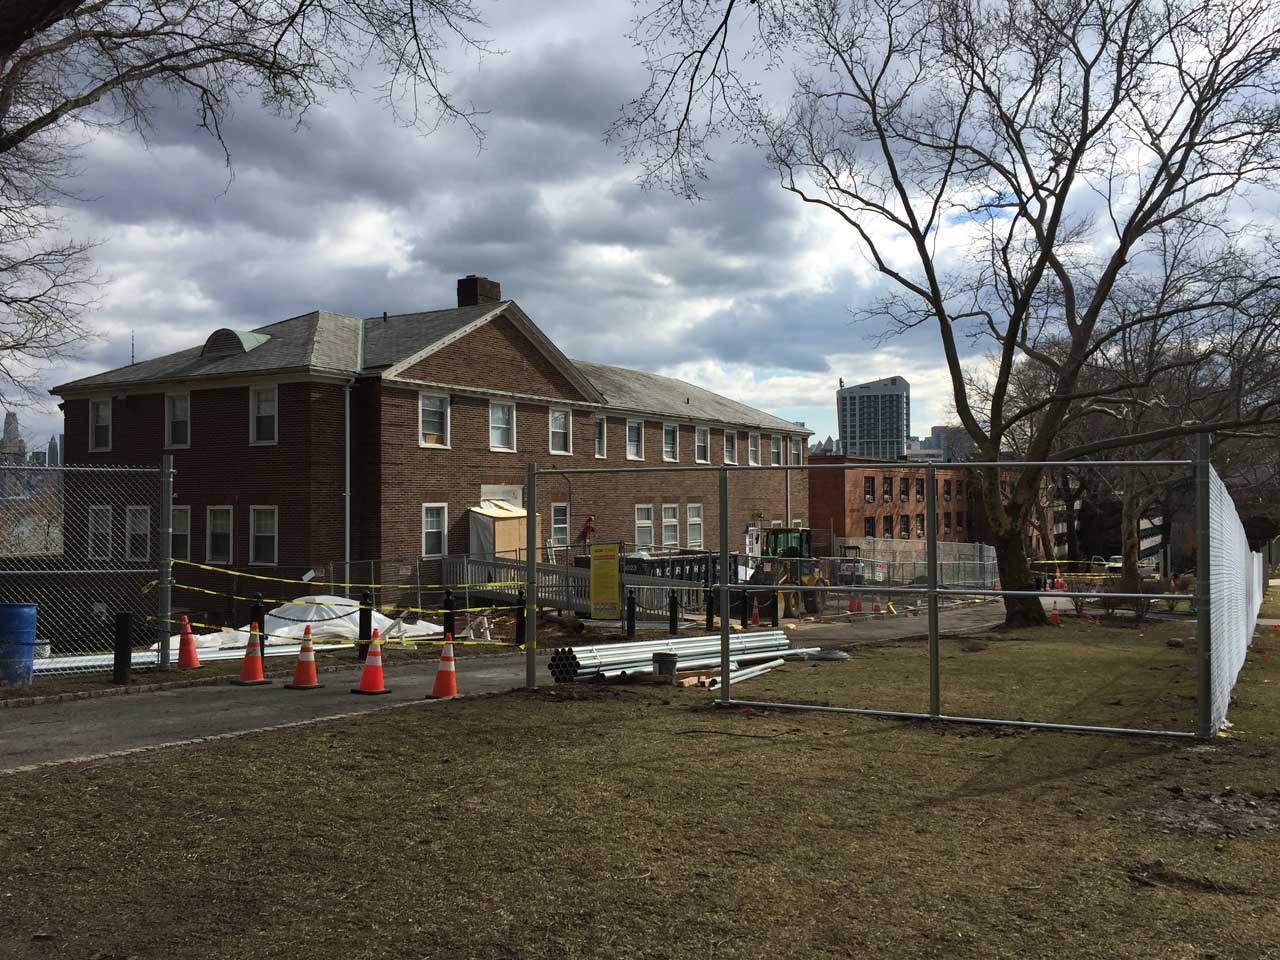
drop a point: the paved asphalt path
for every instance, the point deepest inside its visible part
(79, 729)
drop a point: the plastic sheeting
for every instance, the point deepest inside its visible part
(331, 619)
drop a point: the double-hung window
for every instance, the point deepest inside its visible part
(263, 422)
(177, 420)
(797, 451)
(702, 444)
(869, 489)
(263, 535)
(887, 489)
(560, 423)
(435, 523)
(946, 522)
(904, 526)
(433, 420)
(180, 541)
(635, 441)
(919, 524)
(731, 446)
(99, 534)
(137, 533)
(502, 427)
(753, 449)
(671, 524)
(888, 525)
(868, 526)
(670, 442)
(775, 451)
(217, 547)
(946, 489)
(602, 438)
(644, 524)
(559, 524)
(920, 490)
(100, 425)
(904, 489)
(693, 538)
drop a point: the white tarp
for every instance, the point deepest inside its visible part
(330, 618)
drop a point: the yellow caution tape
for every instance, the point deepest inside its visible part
(334, 583)
(351, 606)
(396, 641)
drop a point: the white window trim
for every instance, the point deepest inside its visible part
(253, 536)
(753, 456)
(168, 422)
(551, 412)
(676, 428)
(662, 521)
(99, 509)
(444, 530)
(208, 534)
(448, 421)
(253, 416)
(604, 436)
(514, 436)
(111, 425)
(697, 430)
(173, 512)
(776, 438)
(648, 523)
(128, 542)
(568, 531)
(727, 435)
(702, 524)
(630, 455)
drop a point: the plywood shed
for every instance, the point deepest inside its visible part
(497, 528)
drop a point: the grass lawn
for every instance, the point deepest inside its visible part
(640, 822)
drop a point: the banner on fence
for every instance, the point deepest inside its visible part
(605, 592)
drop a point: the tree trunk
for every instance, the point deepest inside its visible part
(1008, 517)
(1073, 535)
(1130, 540)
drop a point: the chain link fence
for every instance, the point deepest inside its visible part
(81, 544)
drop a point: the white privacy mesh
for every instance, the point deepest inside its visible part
(1235, 593)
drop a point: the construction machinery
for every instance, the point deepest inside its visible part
(786, 558)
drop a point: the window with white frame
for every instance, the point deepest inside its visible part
(217, 547)
(263, 422)
(177, 420)
(753, 449)
(702, 444)
(100, 424)
(434, 414)
(561, 427)
(731, 446)
(263, 535)
(635, 440)
(137, 533)
(797, 451)
(559, 524)
(644, 524)
(693, 538)
(99, 533)
(435, 522)
(180, 540)
(502, 426)
(670, 442)
(775, 451)
(602, 437)
(671, 524)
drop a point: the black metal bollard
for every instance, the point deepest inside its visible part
(710, 602)
(519, 637)
(450, 621)
(122, 662)
(747, 606)
(631, 614)
(366, 625)
(673, 613)
(258, 615)
(773, 617)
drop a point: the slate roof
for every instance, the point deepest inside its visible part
(324, 342)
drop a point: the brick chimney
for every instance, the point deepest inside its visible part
(473, 290)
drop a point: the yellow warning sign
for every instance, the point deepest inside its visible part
(606, 600)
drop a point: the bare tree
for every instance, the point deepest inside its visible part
(1017, 171)
(69, 66)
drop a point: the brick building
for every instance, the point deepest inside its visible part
(437, 411)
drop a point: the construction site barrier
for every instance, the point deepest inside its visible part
(334, 583)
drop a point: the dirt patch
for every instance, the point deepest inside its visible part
(587, 692)
(1156, 874)
(1226, 814)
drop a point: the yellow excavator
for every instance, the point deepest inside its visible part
(787, 558)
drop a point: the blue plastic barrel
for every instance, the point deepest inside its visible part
(17, 643)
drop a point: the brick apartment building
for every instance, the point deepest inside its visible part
(438, 410)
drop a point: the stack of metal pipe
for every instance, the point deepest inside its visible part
(693, 653)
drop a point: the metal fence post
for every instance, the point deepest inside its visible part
(724, 587)
(165, 574)
(531, 576)
(1204, 638)
(931, 555)
(122, 659)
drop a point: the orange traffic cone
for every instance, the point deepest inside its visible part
(304, 674)
(1097, 621)
(188, 659)
(755, 611)
(371, 676)
(853, 604)
(876, 607)
(1053, 617)
(251, 667)
(1057, 579)
(446, 685)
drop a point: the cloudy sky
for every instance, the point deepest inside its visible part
(747, 292)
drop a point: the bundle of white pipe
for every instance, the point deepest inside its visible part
(693, 653)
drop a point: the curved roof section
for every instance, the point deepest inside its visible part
(227, 342)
